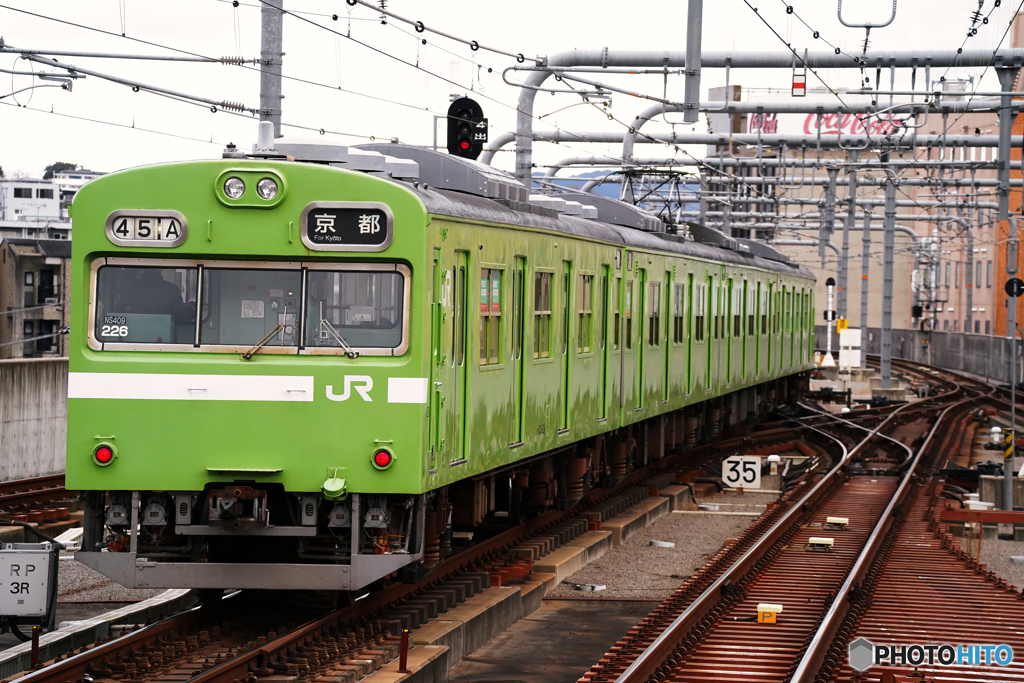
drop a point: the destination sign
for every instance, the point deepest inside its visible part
(347, 226)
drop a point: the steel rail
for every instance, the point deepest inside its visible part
(657, 652)
(34, 490)
(810, 664)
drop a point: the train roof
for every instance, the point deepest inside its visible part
(462, 205)
(464, 188)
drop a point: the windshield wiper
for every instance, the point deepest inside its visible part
(262, 342)
(327, 329)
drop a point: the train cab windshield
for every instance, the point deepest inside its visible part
(317, 308)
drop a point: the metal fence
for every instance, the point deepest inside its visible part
(978, 354)
(33, 417)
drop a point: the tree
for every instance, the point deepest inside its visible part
(57, 167)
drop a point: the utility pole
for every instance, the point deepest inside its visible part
(865, 264)
(844, 269)
(272, 18)
(691, 87)
(1006, 78)
(888, 247)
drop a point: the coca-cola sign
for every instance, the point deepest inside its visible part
(849, 124)
(831, 124)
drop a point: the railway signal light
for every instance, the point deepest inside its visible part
(467, 128)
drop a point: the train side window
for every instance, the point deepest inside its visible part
(604, 307)
(698, 313)
(677, 315)
(715, 313)
(542, 315)
(616, 318)
(654, 315)
(751, 306)
(764, 310)
(629, 314)
(146, 305)
(737, 310)
(490, 316)
(585, 313)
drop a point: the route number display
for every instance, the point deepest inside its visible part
(742, 471)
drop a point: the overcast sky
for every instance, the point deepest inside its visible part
(32, 138)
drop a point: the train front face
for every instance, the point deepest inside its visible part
(247, 388)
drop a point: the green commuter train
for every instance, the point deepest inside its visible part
(306, 367)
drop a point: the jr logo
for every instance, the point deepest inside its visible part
(361, 383)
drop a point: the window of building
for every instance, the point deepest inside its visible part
(945, 325)
(27, 329)
(677, 315)
(977, 327)
(23, 193)
(988, 274)
(44, 194)
(988, 327)
(949, 270)
(956, 275)
(956, 325)
(30, 278)
(698, 312)
(977, 275)
(584, 313)
(654, 314)
(490, 315)
(542, 315)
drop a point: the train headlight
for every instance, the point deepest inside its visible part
(383, 458)
(234, 187)
(266, 188)
(104, 454)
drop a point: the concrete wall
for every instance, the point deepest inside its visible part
(977, 354)
(33, 417)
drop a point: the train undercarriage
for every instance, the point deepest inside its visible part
(245, 535)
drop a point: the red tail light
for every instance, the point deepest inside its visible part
(103, 455)
(382, 459)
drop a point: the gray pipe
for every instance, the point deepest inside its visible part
(691, 87)
(736, 60)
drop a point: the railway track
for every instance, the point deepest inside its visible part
(28, 496)
(714, 635)
(222, 643)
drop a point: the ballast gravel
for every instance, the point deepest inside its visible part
(639, 570)
(996, 554)
(77, 582)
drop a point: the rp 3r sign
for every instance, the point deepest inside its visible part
(24, 581)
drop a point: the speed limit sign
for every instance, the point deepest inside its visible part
(742, 471)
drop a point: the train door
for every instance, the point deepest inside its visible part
(605, 350)
(437, 319)
(458, 414)
(691, 311)
(745, 323)
(516, 355)
(666, 378)
(564, 386)
(712, 345)
(729, 326)
(627, 381)
(641, 348)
